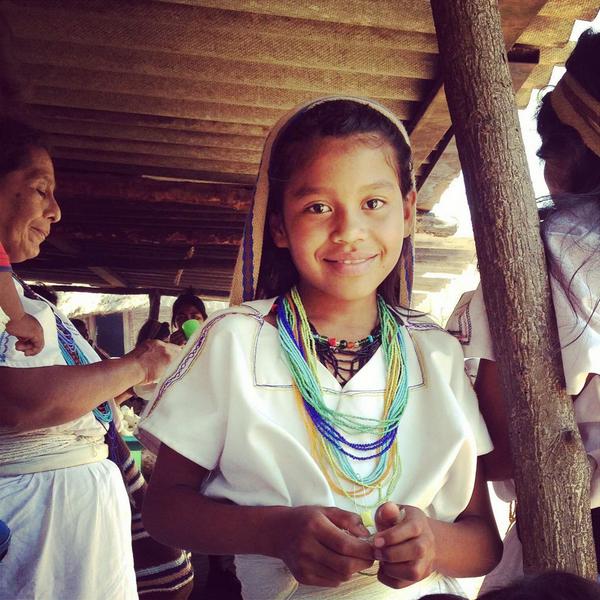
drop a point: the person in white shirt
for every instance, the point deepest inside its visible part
(315, 429)
(569, 126)
(65, 503)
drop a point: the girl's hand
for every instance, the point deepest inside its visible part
(322, 546)
(404, 545)
(29, 334)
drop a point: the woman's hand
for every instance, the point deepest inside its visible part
(153, 357)
(322, 546)
(404, 545)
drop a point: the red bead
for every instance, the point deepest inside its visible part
(332, 342)
(351, 345)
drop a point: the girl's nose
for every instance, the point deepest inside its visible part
(348, 227)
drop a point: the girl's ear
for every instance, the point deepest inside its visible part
(278, 232)
(409, 211)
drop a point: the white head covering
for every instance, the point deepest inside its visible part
(246, 273)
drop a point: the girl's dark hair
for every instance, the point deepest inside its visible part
(293, 146)
(153, 330)
(580, 166)
(17, 139)
(562, 142)
(547, 586)
(188, 298)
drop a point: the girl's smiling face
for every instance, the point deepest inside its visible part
(344, 218)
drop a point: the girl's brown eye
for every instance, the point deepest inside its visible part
(374, 203)
(318, 208)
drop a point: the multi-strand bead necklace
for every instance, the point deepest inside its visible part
(329, 429)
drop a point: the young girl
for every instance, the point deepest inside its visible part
(318, 410)
(569, 126)
(187, 307)
(13, 318)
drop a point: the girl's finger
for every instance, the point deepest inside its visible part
(407, 571)
(388, 515)
(349, 521)
(392, 582)
(411, 550)
(333, 567)
(344, 544)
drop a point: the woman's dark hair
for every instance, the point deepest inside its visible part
(547, 586)
(293, 146)
(153, 330)
(188, 298)
(562, 142)
(579, 165)
(17, 139)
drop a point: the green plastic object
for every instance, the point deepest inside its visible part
(189, 327)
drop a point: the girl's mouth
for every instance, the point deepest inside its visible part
(350, 266)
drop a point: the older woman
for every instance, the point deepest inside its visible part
(65, 503)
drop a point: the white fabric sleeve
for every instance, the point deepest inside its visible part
(469, 325)
(190, 411)
(467, 400)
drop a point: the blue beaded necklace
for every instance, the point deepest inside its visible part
(333, 446)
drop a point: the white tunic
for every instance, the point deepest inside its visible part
(71, 527)
(571, 248)
(228, 406)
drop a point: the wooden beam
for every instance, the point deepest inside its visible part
(110, 261)
(72, 250)
(138, 235)
(432, 123)
(442, 164)
(109, 276)
(164, 291)
(548, 455)
(154, 299)
(89, 186)
(68, 163)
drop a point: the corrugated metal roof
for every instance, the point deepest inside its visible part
(188, 89)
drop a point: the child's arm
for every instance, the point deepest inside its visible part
(319, 545)
(410, 546)
(9, 299)
(497, 463)
(27, 330)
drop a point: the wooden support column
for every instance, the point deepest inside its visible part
(550, 465)
(154, 297)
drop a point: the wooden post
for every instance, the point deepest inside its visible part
(550, 465)
(154, 297)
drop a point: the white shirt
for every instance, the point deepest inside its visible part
(228, 406)
(571, 246)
